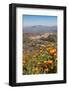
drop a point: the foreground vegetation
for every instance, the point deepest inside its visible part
(40, 56)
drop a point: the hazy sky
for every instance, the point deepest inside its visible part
(31, 20)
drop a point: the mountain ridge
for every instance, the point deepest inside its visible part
(39, 29)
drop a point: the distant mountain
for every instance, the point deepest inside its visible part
(40, 29)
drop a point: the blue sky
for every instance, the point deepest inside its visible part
(31, 20)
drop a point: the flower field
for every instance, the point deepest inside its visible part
(40, 59)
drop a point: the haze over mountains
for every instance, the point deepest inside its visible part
(40, 29)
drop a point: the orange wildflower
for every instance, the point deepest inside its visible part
(55, 54)
(49, 61)
(52, 51)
